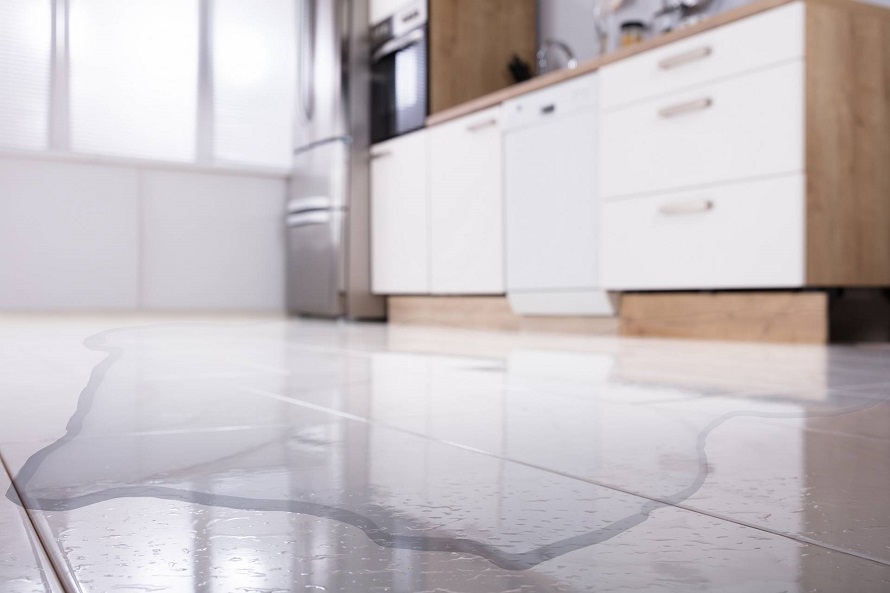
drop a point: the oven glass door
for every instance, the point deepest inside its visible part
(399, 102)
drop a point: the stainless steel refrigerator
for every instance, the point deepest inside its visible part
(328, 210)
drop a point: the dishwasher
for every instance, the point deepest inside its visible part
(551, 202)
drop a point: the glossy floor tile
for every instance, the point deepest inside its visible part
(24, 567)
(276, 455)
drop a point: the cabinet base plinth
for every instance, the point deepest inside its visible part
(785, 317)
(489, 313)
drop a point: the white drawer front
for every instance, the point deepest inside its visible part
(746, 235)
(763, 39)
(741, 128)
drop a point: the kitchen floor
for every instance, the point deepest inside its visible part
(263, 455)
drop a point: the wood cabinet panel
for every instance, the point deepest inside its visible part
(848, 145)
(471, 45)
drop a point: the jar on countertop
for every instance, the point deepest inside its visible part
(632, 32)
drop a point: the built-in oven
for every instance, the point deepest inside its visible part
(399, 48)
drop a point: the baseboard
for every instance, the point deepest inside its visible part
(784, 317)
(791, 317)
(489, 313)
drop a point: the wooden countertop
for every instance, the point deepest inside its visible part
(595, 64)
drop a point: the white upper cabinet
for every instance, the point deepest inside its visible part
(399, 215)
(466, 205)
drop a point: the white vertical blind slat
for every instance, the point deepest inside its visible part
(25, 44)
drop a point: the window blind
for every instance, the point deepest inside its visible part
(253, 55)
(25, 49)
(134, 67)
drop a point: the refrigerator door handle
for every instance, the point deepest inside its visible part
(307, 59)
(313, 145)
(297, 205)
(309, 218)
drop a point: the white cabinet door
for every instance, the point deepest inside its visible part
(399, 216)
(466, 206)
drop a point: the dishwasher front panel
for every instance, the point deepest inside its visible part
(552, 207)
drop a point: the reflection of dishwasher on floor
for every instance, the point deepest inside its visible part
(552, 203)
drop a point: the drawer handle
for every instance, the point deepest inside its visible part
(688, 107)
(685, 58)
(488, 123)
(691, 207)
(380, 155)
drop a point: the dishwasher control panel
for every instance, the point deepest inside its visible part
(574, 95)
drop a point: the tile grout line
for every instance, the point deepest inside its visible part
(348, 416)
(53, 563)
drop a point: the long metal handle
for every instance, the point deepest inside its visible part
(690, 207)
(307, 59)
(307, 204)
(380, 155)
(685, 58)
(687, 107)
(324, 141)
(488, 123)
(394, 45)
(308, 219)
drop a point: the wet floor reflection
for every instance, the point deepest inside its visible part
(267, 456)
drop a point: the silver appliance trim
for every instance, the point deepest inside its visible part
(307, 59)
(411, 17)
(346, 139)
(309, 218)
(297, 205)
(394, 45)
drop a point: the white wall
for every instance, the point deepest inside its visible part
(571, 21)
(85, 236)
(68, 236)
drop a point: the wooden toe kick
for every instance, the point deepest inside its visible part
(786, 317)
(789, 317)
